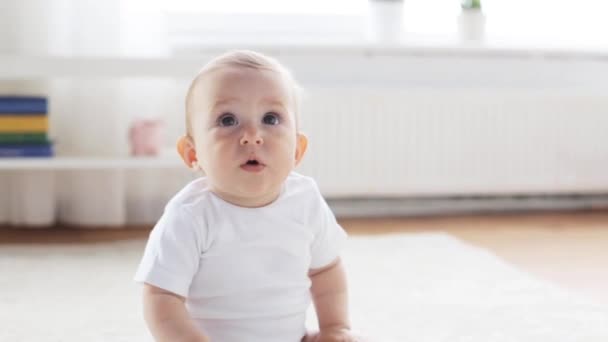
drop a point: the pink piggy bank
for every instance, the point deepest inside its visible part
(146, 137)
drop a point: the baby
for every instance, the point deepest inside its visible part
(238, 254)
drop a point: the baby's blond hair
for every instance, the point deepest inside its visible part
(243, 59)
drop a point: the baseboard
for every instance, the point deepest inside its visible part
(433, 206)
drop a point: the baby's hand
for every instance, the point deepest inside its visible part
(334, 335)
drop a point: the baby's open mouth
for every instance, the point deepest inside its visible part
(253, 165)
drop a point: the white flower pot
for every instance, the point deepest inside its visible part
(471, 24)
(385, 21)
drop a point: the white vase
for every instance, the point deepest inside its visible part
(471, 24)
(385, 21)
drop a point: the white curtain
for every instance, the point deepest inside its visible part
(90, 117)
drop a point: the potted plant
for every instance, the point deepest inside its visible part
(471, 4)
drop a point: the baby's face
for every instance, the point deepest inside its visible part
(244, 129)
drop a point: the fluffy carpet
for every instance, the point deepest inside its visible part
(406, 287)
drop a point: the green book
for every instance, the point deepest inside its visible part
(23, 138)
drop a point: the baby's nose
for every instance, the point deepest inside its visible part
(251, 137)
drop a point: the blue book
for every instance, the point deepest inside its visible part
(23, 105)
(12, 151)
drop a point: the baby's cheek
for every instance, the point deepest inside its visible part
(283, 139)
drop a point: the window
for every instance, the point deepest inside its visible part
(340, 7)
(194, 23)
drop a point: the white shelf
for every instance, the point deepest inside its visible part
(43, 67)
(83, 163)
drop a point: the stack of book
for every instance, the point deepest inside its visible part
(24, 127)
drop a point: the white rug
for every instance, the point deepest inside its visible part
(417, 287)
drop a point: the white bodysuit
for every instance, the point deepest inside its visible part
(243, 271)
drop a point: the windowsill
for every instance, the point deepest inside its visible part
(408, 45)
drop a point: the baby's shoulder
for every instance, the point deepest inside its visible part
(299, 184)
(303, 191)
(191, 197)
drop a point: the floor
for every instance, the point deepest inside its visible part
(569, 248)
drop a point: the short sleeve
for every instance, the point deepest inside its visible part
(329, 236)
(173, 251)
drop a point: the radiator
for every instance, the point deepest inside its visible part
(429, 142)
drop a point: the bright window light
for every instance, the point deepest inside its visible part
(345, 7)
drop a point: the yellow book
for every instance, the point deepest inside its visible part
(23, 123)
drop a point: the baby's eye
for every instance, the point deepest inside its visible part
(227, 120)
(271, 119)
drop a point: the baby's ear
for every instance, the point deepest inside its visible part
(186, 150)
(301, 146)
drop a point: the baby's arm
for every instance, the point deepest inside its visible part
(330, 297)
(167, 317)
